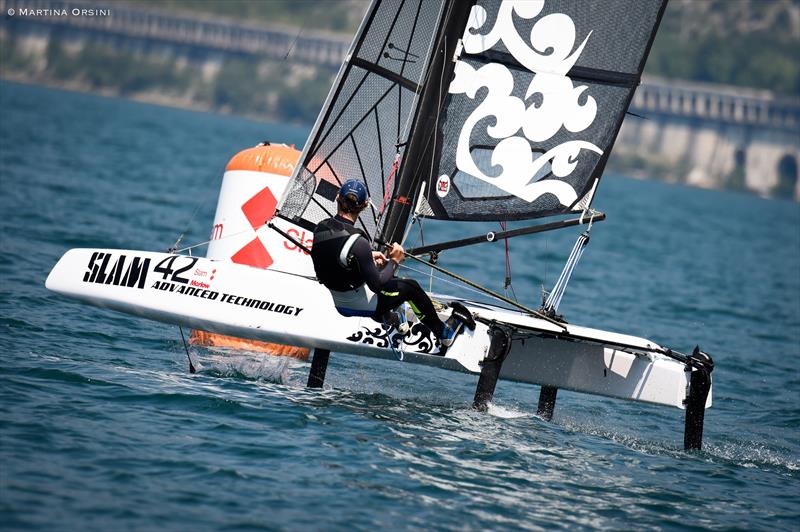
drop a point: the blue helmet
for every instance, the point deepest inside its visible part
(354, 188)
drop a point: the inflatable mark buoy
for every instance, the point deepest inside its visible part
(253, 182)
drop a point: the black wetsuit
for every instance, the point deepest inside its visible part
(329, 238)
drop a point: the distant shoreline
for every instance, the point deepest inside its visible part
(616, 165)
(148, 97)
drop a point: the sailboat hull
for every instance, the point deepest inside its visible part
(274, 306)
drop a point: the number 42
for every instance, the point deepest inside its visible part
(165, 267)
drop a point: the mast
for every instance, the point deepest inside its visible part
(418, 156)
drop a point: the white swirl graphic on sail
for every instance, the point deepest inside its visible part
(559, 102)
(554, 34)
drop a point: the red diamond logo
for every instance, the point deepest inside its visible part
(260, 208)
(253, 254)
(257, 210)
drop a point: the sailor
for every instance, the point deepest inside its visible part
(362, 281)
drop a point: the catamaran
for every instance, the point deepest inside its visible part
(455, 110)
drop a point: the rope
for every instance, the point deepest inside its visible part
(489, 292)
(296, 37)
(388, 192)
(440, 279)
(187, 248)
(557, 293)
(507, 283)
(173, 248)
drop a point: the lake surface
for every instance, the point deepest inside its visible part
(103, 428)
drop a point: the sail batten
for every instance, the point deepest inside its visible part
(576, 73)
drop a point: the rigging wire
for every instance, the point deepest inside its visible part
(296, 37)
(507, 283)
(188, 248)
(557, 293)
(486, 291)
(544, 280)
(200, 204)
(554, 299)
(173, 249)
(444, 280)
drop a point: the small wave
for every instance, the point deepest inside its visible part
(504, 412)
(245, 365)
(752, 455)
(42, 376)
(620, 436)
(746, 454)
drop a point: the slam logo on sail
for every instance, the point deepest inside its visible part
(102, 269)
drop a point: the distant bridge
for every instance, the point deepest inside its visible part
(733, 105)
(716, 135)
(266, 41)
(706, 135)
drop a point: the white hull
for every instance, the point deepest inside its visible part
(247, 302)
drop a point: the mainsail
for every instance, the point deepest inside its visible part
(539, 94)
(504, 109)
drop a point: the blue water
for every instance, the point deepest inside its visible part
(102, 427)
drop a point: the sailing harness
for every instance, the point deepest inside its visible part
(333, 263)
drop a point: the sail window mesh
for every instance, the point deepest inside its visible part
(368, 112)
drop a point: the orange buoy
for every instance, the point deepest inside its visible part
(254, 180)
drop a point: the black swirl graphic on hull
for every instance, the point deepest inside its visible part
(419, 338)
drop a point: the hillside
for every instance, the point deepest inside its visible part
(339, 16)
(751, 43)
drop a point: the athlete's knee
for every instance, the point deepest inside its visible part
(412, 284)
